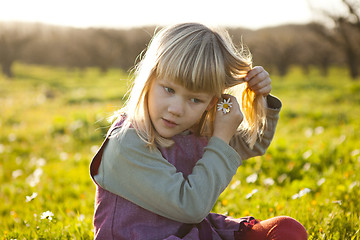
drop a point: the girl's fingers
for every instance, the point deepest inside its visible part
(232, 99)
(259, 81)
(253, 72)
(227, 122)
(259, 84)
(263, 91)
(234, 110)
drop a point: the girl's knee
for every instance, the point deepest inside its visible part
(278, 228)
(285, 227)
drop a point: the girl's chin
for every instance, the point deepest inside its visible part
(165, 134)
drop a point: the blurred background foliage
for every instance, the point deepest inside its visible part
(59, 85)
(276, 48)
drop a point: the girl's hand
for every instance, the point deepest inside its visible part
(225, 125)
(259, 81)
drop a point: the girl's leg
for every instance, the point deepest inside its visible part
(277, 228)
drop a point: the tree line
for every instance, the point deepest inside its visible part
(276, 48)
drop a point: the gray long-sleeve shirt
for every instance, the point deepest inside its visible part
(153, 182)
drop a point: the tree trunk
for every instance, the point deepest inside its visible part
(352, 63)
(6, 69)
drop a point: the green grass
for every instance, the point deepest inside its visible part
(52, 120)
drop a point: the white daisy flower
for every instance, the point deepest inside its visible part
(302, 193)
(268, 181)
(249, 195)
(224, 106)
(81, 217)
(47, 215)
(235, 184)
(252, 178)
(30, 198)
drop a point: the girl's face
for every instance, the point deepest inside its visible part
(173, 108)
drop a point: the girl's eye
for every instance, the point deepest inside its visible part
(169, 90)
(195, 100)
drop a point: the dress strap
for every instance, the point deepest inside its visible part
(95, 162)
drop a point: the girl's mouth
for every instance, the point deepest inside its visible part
(169, 123)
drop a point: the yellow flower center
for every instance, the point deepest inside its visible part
(226, 105)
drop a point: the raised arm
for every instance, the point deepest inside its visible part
(261, 145)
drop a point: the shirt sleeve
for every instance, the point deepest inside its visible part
(130, 170)
(272, 116)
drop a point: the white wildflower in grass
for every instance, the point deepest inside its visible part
(307, 154)
(76, 125)
(32, 197)
(40, 162)
(38, 172)
(295, 196)
(17, 173)
(337, 202)
(353, 153)
(77, 156)
(18, 160)
(302, 193)
(12, 137)
(268, 181)
(308, 132)
(282, 178)
(341, 139)
(354, 184)
(249, 195)
(34, 178)
(94, 149)
(307, 166)
(319, 130)
(81, 217)
(63, 156)
(235, 184)
(321, 181)
(47, 215)
(37, 162)
(32, 161)
(252, 178)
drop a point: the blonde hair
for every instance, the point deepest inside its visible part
(199, 59)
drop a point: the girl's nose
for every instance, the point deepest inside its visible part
(176, 107)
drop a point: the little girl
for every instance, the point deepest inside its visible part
(197, 109)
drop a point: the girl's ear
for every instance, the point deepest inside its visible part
(212, 103)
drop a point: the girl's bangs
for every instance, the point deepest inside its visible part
(197, 65)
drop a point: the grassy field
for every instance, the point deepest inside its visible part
(53, 120)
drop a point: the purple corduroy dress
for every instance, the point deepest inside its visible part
(118, 218)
